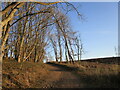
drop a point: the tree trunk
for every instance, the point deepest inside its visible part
(1, 48)
(55, 48)
(36, 56)
(11, 51)
(22, 40)
(78, 54)
(68, 51)
(4, 39)
(66, 54)
(6, 49)
(60, 49)
(5, 23)
(1, 54)
(78, 50)
(21, 49)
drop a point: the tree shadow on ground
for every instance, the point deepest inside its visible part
(63, 67)
(92, 81)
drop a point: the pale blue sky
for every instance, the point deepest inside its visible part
(99, 30)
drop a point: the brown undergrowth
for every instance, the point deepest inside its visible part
(38, 75)
(97, 75)
(21, 75)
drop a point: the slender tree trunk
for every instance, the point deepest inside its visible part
(78, 50)
(11, 51)
(55, 48)
(16, 52)
(66, 54)
(3, 41)
(29, 54)
(60, 53)
(60, 49)
(71, 50)
(78, 54)
(21, 49)
(56, 56)
(22, 41)
(81, 51)
(69, 54)
(36, 56)
(1, 48)
(1, 54)
(6, 50)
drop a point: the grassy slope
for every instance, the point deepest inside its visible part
(22, 75)
(94, 74)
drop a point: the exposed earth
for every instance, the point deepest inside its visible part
(61, 77)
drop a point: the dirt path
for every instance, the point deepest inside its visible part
(61, 77)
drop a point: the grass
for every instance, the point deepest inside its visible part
(91, 74)
(21, 75)
(98, 75)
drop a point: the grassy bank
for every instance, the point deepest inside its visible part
(22, 75)
(94, 74)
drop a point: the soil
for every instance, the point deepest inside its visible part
(61, 78)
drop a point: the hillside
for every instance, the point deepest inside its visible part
(107, 60)
(22, 75)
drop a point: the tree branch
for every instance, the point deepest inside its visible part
(29, 15)
(42, 3)
(6, 9)
(11, 15)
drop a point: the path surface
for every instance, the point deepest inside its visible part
(61, 77)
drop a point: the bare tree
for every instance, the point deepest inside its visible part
(59, 44)
(27, 27)
(9, 12)
(79, 45)
(53, 41)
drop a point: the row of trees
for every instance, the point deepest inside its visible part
(28, 29)
(65, 41)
